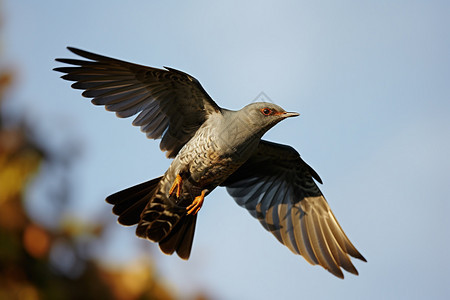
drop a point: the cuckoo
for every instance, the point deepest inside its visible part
(211, 146)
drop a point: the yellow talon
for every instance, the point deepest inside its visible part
(196, 204)
(176, 185)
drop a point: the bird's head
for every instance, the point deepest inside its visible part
(264, 115)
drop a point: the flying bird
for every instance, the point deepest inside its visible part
(211, 146)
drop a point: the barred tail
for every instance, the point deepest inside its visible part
(158, 219)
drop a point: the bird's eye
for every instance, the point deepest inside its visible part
(266, 111)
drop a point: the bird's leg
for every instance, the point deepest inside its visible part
(176, 185)
(196, 204)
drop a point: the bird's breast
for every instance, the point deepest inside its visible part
(211, 155)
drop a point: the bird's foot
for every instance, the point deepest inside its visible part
(176, 185)
(196, 204)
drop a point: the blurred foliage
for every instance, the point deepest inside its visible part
(39, 262)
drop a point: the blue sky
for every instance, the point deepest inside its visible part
(370, 79)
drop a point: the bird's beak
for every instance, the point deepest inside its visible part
(290, 114)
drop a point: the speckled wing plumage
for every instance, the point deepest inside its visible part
(171, 104)
(276, 186)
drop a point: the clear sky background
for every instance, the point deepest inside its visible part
(371, 80)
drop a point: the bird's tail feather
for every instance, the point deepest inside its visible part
(158, 219)
(129, 203)
(180, 237)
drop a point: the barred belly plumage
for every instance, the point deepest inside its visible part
(206, 162)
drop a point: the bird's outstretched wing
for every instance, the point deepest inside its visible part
(277, 188)
(171, 104)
